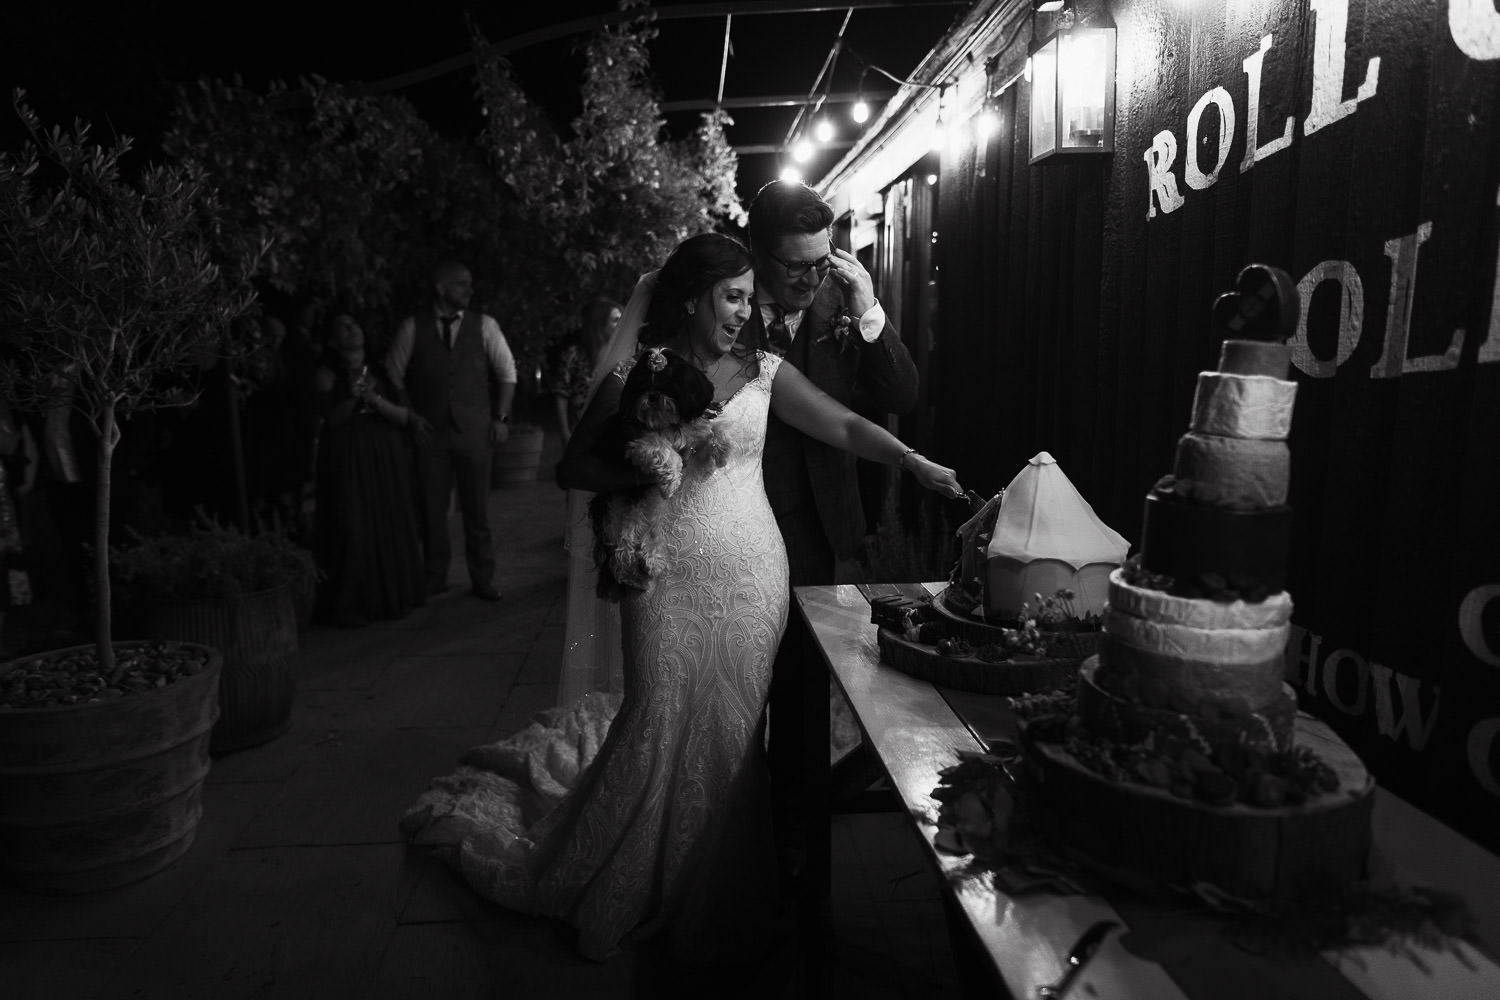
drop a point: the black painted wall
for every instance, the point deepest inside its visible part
(1071, 319)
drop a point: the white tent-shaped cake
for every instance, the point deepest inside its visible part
(1046, 536)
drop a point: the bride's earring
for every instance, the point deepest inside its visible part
(692, 307)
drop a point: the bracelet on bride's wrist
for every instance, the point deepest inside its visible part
(901, 462)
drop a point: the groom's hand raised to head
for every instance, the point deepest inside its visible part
(858, 286)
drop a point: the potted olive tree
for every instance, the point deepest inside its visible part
(111, 289)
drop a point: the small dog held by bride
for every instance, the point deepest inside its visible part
(662, 428)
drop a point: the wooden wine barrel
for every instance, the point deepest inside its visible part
(257, 633)
(100, 794)
(516, 462)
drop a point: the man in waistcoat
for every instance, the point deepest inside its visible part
(815, 305)
(458, 373)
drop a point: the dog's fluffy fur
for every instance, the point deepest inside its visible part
(660, 429)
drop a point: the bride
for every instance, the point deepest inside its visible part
(666, 832)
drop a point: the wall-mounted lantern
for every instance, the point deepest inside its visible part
(1073, 95)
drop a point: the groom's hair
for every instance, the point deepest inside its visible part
(783, 207)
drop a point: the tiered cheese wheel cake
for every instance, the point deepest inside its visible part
(1185, 760)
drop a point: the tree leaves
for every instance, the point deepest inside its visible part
(614, 196)
(111, 290)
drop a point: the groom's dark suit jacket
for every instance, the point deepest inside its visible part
(801, 472)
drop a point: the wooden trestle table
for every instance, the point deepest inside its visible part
(914, 731)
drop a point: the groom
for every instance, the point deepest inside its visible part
(815, 306)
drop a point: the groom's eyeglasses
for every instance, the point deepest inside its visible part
(797, 268)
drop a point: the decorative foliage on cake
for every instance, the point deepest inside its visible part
(1056, 629)
(1250, 775)
(1210, 585)
(991, 808)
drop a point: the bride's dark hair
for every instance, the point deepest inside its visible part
(698, 263)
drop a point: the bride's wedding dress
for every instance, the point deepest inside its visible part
(664, 828)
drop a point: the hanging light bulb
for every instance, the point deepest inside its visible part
(987, 124)
(861, 110)
(791, 175)
(939, 133)
(823, 131)
(802, 151)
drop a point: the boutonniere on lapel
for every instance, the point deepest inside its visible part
(840, 329)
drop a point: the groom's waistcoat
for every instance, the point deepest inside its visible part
(801, 472)
(450, 388)
(788, 484)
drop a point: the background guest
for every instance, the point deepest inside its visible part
(457, 370)
(570, 363)
(366, 528)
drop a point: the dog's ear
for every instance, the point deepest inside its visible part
(636, 382)
(695, 391)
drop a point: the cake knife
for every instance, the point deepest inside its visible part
(1088, 943)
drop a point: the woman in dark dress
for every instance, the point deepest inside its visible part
(570, 364)
(366, 535)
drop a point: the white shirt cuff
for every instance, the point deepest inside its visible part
(872, 322)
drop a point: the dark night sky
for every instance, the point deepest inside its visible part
(116, 65)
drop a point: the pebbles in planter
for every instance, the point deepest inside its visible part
(50, 679)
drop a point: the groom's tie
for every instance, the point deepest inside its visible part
(778, 337)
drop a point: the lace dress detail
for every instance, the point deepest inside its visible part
(667, 831)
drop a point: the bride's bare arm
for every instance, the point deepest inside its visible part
(582, 468)
(818, 415)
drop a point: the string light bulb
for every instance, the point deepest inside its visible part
(861, 110)
(802, 151)
(939, 133)
(791, 175)
(823, 131)
(988, 122)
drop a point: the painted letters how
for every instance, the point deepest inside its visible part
(1357, 687)
(1328, 105)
